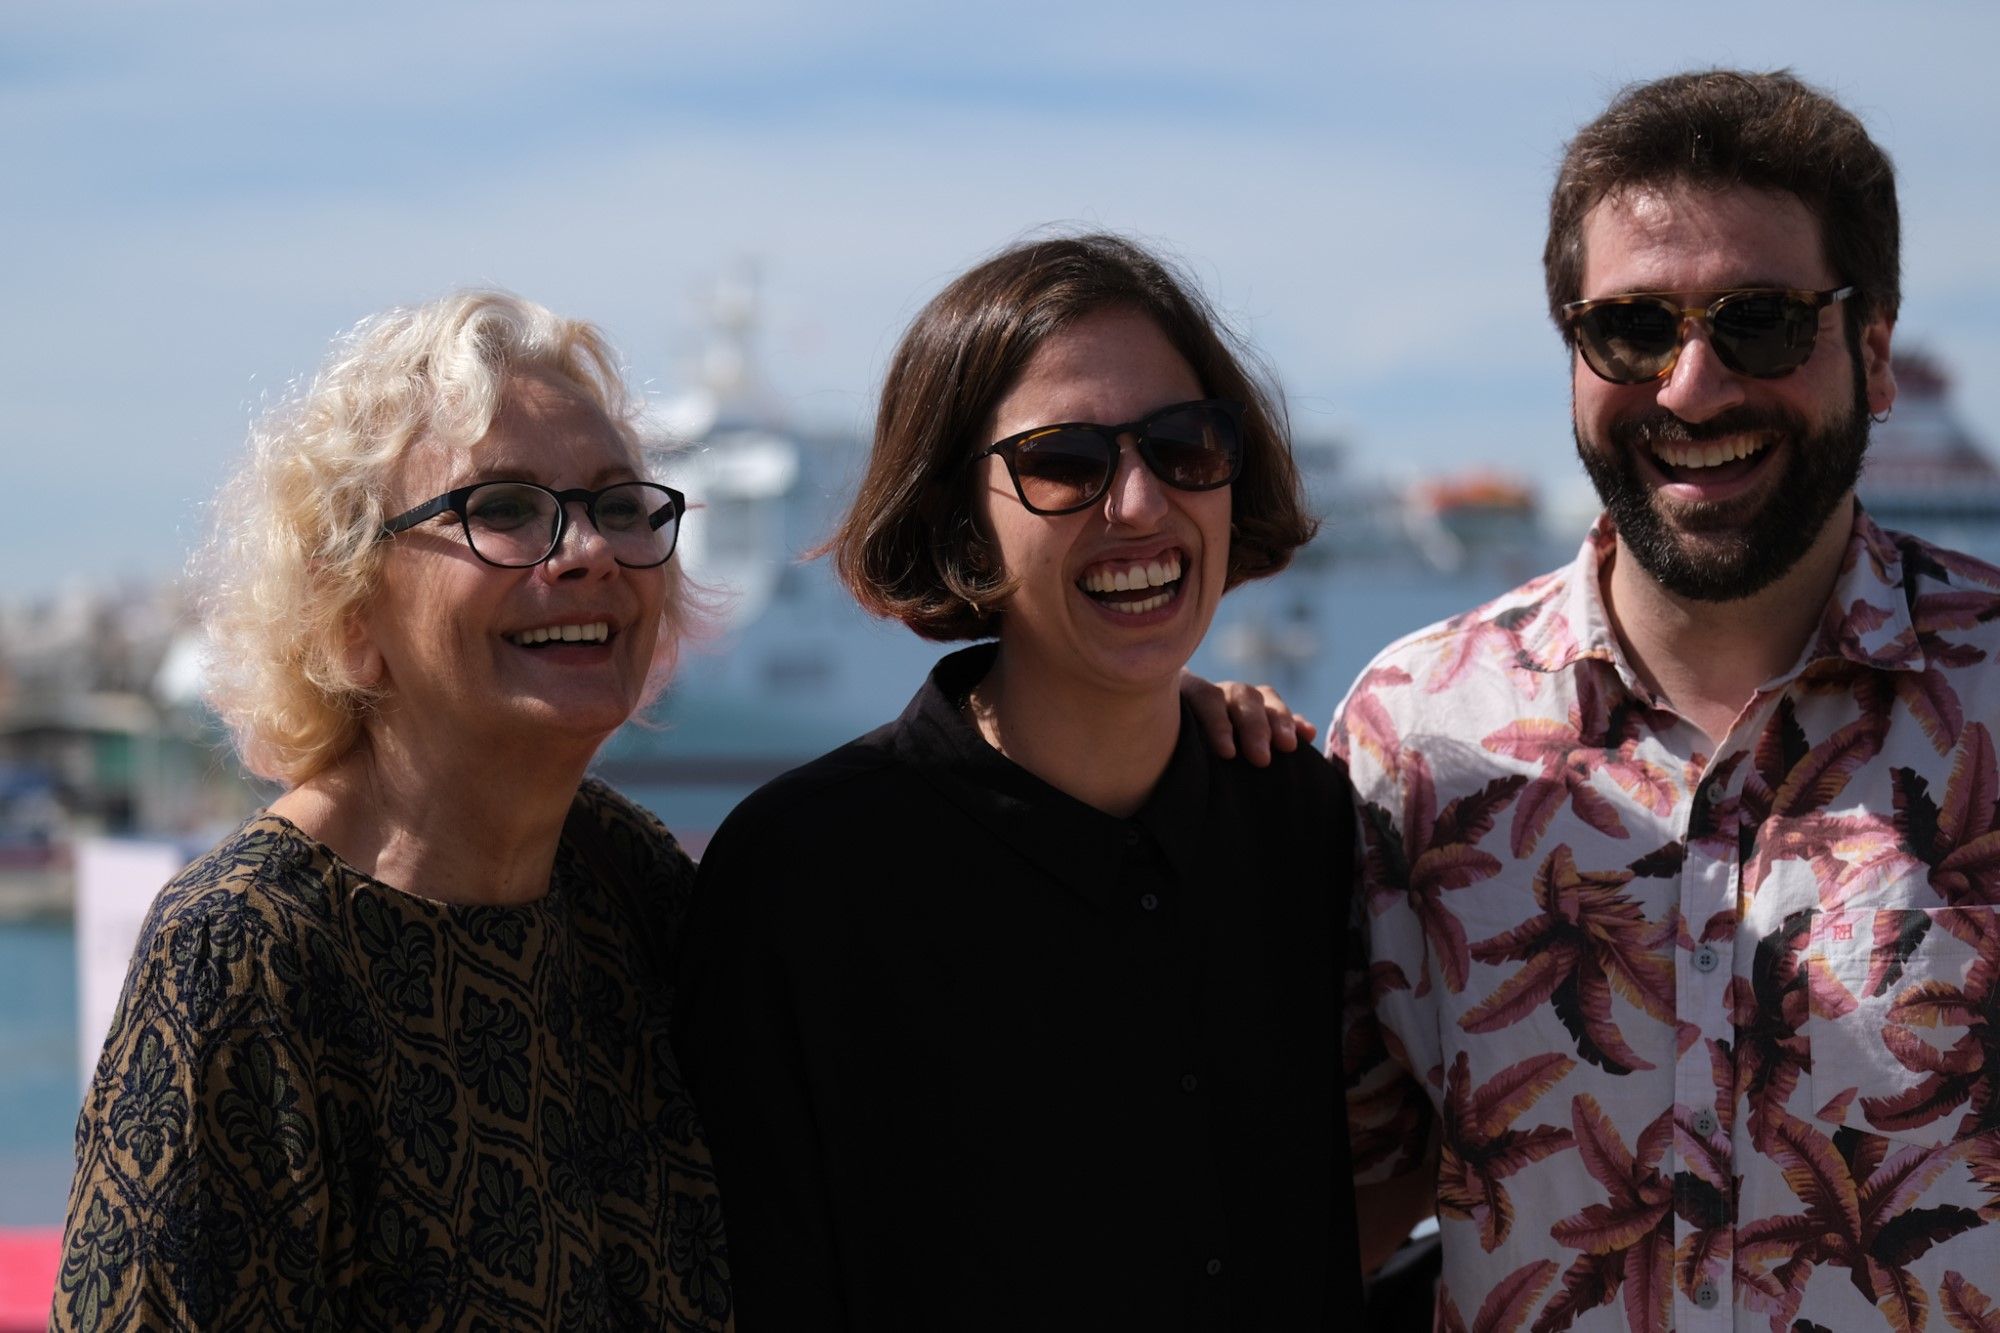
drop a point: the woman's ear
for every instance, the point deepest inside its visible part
(359, 655)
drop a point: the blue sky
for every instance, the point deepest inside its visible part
(198, 197)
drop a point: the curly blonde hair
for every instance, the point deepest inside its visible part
(294, 552)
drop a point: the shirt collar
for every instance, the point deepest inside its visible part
(1567, 623)
(1070, 841)
(1866, 620)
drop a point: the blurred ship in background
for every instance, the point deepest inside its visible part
(1925, 472)
(1476, 517)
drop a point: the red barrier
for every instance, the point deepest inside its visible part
(29, 1257)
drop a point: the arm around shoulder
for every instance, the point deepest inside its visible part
(1387, 1211)
(1388, 1111)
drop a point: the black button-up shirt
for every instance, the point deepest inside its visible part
(973, 1054)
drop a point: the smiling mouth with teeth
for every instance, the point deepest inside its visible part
(1136, 588)
(1693, 456)
(597, 631)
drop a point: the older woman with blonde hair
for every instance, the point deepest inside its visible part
(395, 1052)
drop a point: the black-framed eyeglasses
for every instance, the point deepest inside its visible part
(1061, 468)
(517, 524)
(1760, 332)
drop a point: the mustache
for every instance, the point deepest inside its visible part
(1645, 430)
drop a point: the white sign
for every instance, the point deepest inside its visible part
(116, 881)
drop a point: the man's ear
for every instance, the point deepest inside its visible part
(1877, 368)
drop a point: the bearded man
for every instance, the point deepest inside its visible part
(1679, 995)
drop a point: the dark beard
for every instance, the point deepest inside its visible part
(1734, 562)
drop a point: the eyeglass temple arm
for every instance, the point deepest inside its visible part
(409, 518)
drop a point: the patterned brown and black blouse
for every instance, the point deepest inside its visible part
(325, 1103)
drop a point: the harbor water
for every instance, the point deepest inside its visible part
(39, 1091)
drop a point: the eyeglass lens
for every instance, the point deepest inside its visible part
(516, 524)
(1760, 334)
(1192, 448)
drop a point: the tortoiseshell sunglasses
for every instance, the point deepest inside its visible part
(1760, 332)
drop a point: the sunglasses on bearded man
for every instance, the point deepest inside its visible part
(1061, 468)
(1760, 332)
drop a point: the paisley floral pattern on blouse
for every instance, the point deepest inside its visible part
(328, 1104)
(1705, 1037)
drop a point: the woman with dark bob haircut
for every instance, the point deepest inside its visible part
(1021, 1011)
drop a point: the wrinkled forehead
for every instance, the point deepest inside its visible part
(540, 424)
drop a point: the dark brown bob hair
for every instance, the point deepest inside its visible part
(1721, 129)
(909, 548)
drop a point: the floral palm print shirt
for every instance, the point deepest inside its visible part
(325, 1103)
(1705, 1037)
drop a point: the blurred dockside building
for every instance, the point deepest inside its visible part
(102, 732)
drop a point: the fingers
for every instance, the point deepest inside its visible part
(1288, 729)
(1253, 719)
(1212, 711)
(1282, 723)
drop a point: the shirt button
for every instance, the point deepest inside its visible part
(1213, 1267)
(1714, 795)
(1705, 959)
(1131, 838)
(1704, 1123)
(1149, 901)
(1189, 1083)
(1706, 1295)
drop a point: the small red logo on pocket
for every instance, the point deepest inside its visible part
(1843, 930)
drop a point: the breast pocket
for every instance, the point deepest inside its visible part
(1905, 1021)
